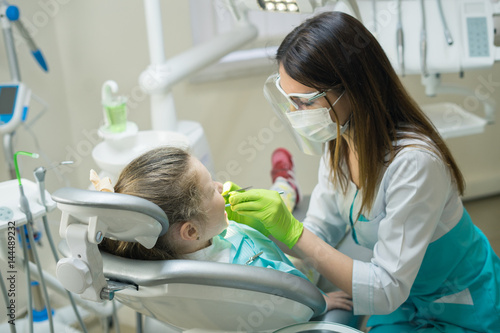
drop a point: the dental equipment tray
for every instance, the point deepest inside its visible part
(452, 121)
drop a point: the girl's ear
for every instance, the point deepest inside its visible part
(189, 231)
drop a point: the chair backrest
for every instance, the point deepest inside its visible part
(186, 293)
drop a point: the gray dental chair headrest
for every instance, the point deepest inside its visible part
(120, 211)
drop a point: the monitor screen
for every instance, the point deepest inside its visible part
(7, 100)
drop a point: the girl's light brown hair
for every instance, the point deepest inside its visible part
(335, 51)
(164, 177)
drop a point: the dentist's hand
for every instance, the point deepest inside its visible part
(268, 207)
(227, 188)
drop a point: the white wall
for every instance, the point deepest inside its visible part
(88, 42)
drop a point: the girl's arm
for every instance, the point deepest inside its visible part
(338, 300)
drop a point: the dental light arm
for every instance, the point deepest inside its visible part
(162, 76)
(39, 174)
(158, 79)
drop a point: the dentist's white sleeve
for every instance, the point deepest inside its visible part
(416, 186)
(323, 216)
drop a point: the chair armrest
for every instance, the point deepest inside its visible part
(259, 279)
(159, 272)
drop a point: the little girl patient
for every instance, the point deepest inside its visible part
(199, 228)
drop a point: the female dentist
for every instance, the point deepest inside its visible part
(388, 175)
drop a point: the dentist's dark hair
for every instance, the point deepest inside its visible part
(333, 50)
(163, 176)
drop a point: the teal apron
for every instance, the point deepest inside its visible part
(247, 243)
(457, 288)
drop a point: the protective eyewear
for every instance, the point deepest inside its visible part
(300, 101)
(281, 104)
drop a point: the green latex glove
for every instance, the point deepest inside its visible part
(227, 188)
(268, 207)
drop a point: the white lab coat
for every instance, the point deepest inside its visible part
(416, 203)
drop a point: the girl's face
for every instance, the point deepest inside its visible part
(213, 202)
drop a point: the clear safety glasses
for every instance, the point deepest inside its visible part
(300, 101)
(283, 103)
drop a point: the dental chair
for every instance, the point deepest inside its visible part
(187, 295)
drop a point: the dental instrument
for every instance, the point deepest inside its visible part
(12, 14)
(35, 51)
(400, 41)
(31, 253)
(39, 174)
(447, 33)
(6, 12)
(241, 189)
(423, 42)
(238, 190)
(252, 258)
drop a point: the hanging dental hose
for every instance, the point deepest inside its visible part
(27, 229)
(400, 41)
(423, 42)
(447, 33)
(375, 23)
(39, 174)
(28, 279)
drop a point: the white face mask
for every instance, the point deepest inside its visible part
(316, 125)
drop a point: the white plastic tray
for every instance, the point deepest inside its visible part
(452, 121)
(10, 209)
